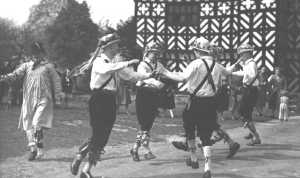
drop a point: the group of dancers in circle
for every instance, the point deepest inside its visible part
(202, 78)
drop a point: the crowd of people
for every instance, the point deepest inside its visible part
(209, 84)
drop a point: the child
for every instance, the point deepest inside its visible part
(283, 108)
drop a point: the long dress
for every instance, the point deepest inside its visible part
(40, 85)
(277, 84)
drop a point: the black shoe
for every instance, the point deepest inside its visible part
(149, 156)
(248, 137)
(86, 175)
(207, 174)
(254, 142)
(233, 149)
(135, 155)
(75, 165)
(190, 163)
(195, 164)
(32, 155)
(180, 145)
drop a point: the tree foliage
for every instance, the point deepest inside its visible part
(127, 31)
(43, 15)
(8, 39)
(72, 36)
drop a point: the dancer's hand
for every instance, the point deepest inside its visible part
(154, 74)
(1, 79)
(133, 61)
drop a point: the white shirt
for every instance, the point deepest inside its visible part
(249, 72)
(144, 68)
(103, 68)
(196, 71)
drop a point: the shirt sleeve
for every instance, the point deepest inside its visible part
(101, 67)
(16, 74)
(130, 75)
(239, 73)
(182, 76)
(252, 71)
(224, 71)
(142, 68)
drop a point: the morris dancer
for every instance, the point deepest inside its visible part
(277, 82)
(102, 104)
(147, 98)
(249, 91)
(39, 81)
(203, 80)
(218, 134)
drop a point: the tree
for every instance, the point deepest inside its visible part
(8, 39)
(72, 36)
(43, 15)
(127, 32)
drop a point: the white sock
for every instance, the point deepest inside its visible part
(192, 147)
(171, 113)
(207, 156)
(87, 167)
(40, 152)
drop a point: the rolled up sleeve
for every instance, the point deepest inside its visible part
(101, 67)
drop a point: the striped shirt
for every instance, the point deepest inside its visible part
(40, 85)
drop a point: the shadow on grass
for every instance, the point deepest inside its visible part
(269, 152)
(197, 175)
(70, 159)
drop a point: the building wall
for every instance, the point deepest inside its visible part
(227, 23)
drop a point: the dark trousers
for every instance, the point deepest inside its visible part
(102, 108)
(201, 116)
(146, 107)
(248, 102)
(274, 101)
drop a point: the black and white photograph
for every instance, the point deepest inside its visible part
(149, 88)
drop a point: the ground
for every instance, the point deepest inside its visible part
(277, 157)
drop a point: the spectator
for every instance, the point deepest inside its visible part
(67, 87)
(283, 108)
(262, 90)
(276, 82)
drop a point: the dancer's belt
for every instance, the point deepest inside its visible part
(248, 86)
(105, 91)
(152, 89)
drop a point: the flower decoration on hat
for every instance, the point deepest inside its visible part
(201, 44)
(108, 40)
(153, 46)
(246, 47)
